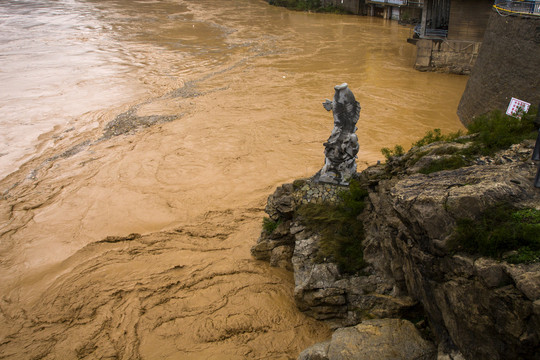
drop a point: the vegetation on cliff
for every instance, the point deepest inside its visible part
(307, 5)
(340, 229)
(501, 232)
(496, 131)
(486, 135)
(448, 240)
(269, 225)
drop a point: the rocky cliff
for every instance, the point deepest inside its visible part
(470, 306)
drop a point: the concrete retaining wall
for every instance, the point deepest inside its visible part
(507, 66)
(452, 56)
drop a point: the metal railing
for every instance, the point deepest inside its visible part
(390, 2)
(411, 3)
(518, 6)
(429, 33)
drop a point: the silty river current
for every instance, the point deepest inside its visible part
(175, 119)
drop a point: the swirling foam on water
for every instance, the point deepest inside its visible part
(57, 63)
(176, 119)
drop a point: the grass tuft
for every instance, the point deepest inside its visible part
(269, 225)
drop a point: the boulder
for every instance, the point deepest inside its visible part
(373, 340)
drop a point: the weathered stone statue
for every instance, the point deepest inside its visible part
(342, 145)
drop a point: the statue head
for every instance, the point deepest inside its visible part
(343, 94)
(346, 108)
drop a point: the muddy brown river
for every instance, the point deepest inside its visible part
(140, 140)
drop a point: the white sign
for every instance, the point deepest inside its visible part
(517, 107)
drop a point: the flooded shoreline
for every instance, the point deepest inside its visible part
(225, 104)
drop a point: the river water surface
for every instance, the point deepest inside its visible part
(175, 119)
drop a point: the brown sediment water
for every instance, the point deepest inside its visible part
(175, 120)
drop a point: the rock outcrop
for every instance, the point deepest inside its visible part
(477, 308)
(321, 290)
(389, 339)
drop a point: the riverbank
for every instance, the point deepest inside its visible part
(451, 246)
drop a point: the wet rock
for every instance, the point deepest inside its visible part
(281, 257)
(129, 121)
(281, 204)
(322, 290)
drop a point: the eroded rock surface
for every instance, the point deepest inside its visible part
(477, 308)
(480, 306)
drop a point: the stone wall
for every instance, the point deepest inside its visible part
(507, 66)
(452, 56)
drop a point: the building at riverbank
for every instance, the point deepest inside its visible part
(450, 34)
(407, 11)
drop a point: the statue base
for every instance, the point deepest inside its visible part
(330, 178)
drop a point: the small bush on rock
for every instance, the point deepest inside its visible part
(341, 230)
(269, 225)
(397, 151)
(436, 135)
(487, 134)
(499, 230)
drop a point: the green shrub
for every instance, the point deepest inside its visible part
(499, 230)
(269, 225)
(496, 131)
(488, 134)
(436, 135)
(340, 229)
(397, 151)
